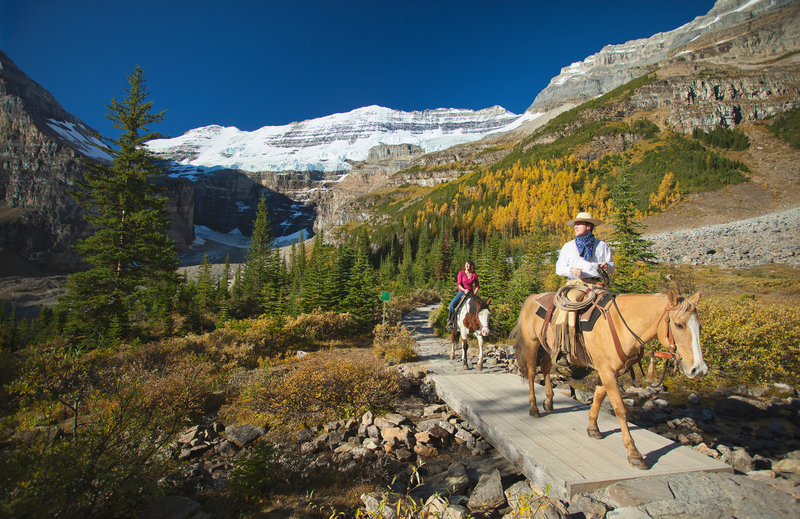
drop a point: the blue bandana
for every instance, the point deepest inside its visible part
(585, 245)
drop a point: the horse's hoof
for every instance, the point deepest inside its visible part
(637, 462)
(452, 357)
(464, 366)
(480, 366)
(596, 434)
(534, 412)
(548, 407)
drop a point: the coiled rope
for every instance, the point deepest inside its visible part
(564, 303)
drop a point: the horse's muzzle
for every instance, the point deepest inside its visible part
(484, 332)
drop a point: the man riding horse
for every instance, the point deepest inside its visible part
(583, 261)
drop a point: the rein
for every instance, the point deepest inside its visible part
(652, 353)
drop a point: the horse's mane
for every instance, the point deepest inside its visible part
(684, 305)
(481, 303)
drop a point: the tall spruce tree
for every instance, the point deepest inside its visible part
(133, 261)
(632, 253)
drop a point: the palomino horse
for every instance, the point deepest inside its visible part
(473, 317)
(637, 318)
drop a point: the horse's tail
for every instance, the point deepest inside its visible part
(519, 345)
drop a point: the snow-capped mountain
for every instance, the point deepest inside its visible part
(332, 143)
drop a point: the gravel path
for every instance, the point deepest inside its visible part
(763, 240)
(434, 352)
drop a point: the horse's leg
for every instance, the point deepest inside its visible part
(480, 351)
(599, 395)
(547, 366)
(452, 345)
(531, 352)
(611, 386)
(464, 346)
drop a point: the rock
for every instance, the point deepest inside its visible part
(454, 481)
(791, 466)
(390, 420)
(229, 449)
(367, 418)
(581, 506)
(628, 513)
(304, 436)
(426, 425)
(428, 452)
(519, 494)
(242, 435)
(735, 406)
(482, 464)
(466, 438)
(739, 460)
(488, 493)
(189, 434)
(635, 492)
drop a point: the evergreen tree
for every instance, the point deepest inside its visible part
(222, 285)
(205, 290)
(632, 253)
(443, 257)
(360, 294)
(423, 269)
(319, 289)
(133, 261)
(406, 268)
(258, 263)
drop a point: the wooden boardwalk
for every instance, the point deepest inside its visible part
(555, 449)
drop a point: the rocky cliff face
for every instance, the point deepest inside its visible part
(41, 151)
(228, 200)
(734, 32)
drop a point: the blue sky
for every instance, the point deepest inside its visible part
(250, 64)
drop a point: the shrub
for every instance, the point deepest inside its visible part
(748, 341)
(395, 343)
(106, 471)
(324, 386)
(438, 319)
(402, 305)
(319, 325)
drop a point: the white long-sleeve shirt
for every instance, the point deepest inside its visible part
(569, 258)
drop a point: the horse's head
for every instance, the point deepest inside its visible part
(483, 317)
(679, 330)
(478, 315)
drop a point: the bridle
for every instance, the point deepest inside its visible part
(672, 354)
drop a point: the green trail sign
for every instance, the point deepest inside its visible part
(385, 295)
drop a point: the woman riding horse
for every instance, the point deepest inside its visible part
(467, 281)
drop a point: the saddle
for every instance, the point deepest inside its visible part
(567, 331)
(458, 307)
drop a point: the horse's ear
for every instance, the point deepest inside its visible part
(695, 298)
(672, 297)
(488, 301)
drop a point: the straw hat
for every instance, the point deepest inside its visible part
(585, 217)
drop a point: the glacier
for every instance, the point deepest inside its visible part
(330, 144)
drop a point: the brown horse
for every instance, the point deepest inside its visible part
(472, 317)
(636, 317)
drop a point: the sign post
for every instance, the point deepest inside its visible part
(385, 295)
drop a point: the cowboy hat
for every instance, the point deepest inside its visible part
(585, 217)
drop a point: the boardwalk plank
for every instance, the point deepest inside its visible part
(555, 450)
